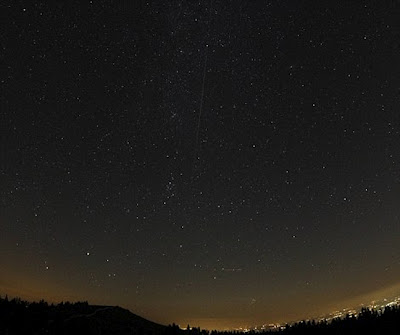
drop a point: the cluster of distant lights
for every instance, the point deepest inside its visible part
(334, 315)
(352, 312)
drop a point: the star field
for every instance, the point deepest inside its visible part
(194, 160)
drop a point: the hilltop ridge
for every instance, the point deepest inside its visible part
(21, 317)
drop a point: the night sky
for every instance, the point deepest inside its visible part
(218, 163)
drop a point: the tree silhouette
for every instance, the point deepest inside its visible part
(21, 317)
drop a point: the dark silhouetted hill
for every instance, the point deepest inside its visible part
(21, 317)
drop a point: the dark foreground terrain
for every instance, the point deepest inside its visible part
(21, 317)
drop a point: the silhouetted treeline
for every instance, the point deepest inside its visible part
(383, 322)
(21, 317)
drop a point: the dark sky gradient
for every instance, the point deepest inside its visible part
(221, 163)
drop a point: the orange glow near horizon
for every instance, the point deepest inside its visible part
(17, 288)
